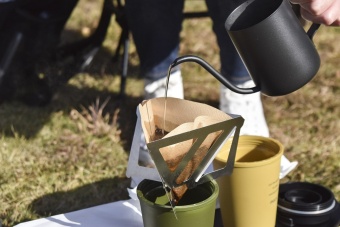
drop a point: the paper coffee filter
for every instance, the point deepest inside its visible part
(181, 116)
(173, 158)
(174, 153)
(195, 132)
(182, 156)
(178, 111)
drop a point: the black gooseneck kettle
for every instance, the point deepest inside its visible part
(278, 54)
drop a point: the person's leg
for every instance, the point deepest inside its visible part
(232, 67)
(155, 26)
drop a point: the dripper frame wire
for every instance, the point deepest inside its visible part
(170, 196)
(196, 178)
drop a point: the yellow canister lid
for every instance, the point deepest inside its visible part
(252, 151)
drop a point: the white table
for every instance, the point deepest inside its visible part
(117, 214)
(124, 213)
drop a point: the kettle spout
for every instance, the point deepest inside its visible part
(213, 72)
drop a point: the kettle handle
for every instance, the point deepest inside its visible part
(212, 71)
(311, 31)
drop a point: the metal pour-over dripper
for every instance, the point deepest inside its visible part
(227, 128)
(198, 175)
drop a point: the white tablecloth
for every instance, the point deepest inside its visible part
(124, 213)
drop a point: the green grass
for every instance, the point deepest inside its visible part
(73, 153)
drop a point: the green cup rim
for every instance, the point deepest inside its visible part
(194, 206)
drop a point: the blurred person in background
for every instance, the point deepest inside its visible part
(156, 25)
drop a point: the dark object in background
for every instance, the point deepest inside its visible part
(30, 53)
(302, 204)
(33, 63)
(29, 35)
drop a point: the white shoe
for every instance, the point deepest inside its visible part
(248, 106)
(155, 89)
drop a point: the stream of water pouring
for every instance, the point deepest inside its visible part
(169, 194)
(167, 188)
(165, 98)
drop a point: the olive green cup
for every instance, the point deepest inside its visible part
(196, 208)
(249, 196)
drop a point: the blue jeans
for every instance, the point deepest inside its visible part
(156, 27)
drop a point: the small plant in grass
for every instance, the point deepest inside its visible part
(92, 121)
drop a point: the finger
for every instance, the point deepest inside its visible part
(330, 17)
(317, 7)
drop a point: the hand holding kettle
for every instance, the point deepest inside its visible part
(320, 11)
